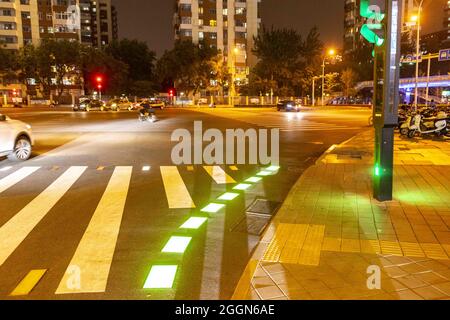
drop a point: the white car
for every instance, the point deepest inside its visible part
(16, 139)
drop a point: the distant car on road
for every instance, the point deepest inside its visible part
(16, 139)
(119, 104)
(90, 105)
(288, 105)
(153, 102)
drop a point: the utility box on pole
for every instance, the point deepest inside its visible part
(386, 98)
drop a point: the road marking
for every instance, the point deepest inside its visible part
(8, 181)
(219, 175)
(5, 169)
(95, 251)
(28, 283)
(161, 277)
(213, 208)
(194, 223)
(234, 168)
(242, 187)
(177, 245)
(17, 228)
(100, 168)
(146, 168)
(190, 168)
(229, 196)
(177, 193)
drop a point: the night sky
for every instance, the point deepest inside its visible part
(151, 20)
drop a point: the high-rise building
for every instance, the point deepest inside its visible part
(228, 25)
(23, 22)
(353, 21)
(447, 21)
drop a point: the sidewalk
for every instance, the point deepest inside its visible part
(330, 230)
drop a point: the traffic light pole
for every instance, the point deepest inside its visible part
(386, 100)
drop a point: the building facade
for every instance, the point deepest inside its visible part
(25, 22)
(228, 25)
(447, 21)
(353, 22)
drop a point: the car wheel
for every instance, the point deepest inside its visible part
(22, 149)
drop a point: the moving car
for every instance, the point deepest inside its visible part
(288, 105)
(154, 103)
(119, 104)
(16, 140)
(90, 105)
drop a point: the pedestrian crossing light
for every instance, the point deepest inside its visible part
(373, 30)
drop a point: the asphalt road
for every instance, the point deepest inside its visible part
(88, 216)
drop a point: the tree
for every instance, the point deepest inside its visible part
(51, 63)
(348, 79)
(95, 61)
(284, 56)
(190, 67)
(140, 61)
(9, 66)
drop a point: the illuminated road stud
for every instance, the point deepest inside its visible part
(265, 173)
(273, 168)
(254, 179)
(193, 223)
(177, 245)
(228, 196)
(213, 207)
(242, 187)
(146, 168)
(161, 277)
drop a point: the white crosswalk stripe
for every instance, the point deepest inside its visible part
(93, 258)
(18, 227)
(94, 254)
(16, 177)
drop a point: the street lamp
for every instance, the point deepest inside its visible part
(417, 19)
(233, 75)
(330, 53)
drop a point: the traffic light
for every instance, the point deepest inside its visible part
(98, 81)
(171, 93)
(373, 30)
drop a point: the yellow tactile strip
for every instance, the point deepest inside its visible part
(406, 249)
(296, 244)
(302, 244)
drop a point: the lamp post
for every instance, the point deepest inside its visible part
(418, 20)
(330, 53)
(233, 75)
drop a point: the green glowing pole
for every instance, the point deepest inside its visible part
(386, 100)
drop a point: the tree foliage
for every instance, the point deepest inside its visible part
(190, 67)
(287, 60)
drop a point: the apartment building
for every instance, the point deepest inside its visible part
(228, 25)
(353, 21)
(447, 21)
(25, 22)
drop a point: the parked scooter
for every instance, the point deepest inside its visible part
(419, 123)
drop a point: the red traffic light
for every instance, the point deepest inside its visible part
(99, 86)
(99, 79)
(171, 92)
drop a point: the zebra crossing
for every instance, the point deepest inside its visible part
(93, 256)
